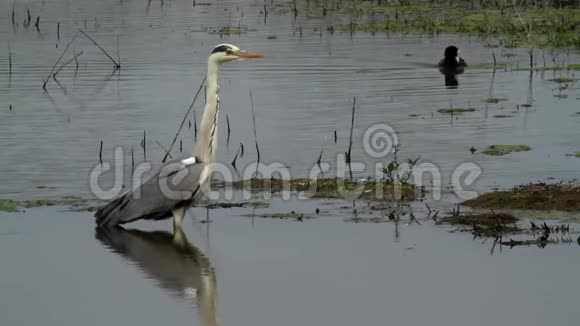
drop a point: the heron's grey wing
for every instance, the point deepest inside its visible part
(177, 183)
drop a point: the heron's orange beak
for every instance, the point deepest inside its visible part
(249, 55)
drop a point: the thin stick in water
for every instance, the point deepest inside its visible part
(9, 62)
(27, 22)
(229, 130)
(163, 148)
(236, 156)
(335, 137)
(37, 24)
(67, 63)
(181, 145)
(194, 126)
(132, 161)
(101, 153)
(242, 148)
(183, 121)
(58, 31)
(319, 160)
(144, 144)
(13, 10)
(254, 123)
(57, 62)
(348, 154)
(117, 65)
(118, 56)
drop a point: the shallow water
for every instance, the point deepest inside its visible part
(302, 92)
(244, 271)
(252, 271)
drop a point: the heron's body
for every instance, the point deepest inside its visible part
(179, 183)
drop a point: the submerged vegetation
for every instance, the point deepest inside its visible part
(499, 150)
(514, 23)
(367, 220)
(8, 205)
(455, 111)
(495, 100)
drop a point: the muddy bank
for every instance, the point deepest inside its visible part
(533, 196)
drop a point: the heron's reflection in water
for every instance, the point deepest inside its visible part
(177, 265)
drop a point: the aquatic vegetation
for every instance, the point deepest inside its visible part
(73, 202)
(456, 111)
(225, 30)
(534, 196)
(283, 216)
(258, 204)
(7, 205)
(500, 150)
(366, 220)
(487, 219)
(563, 80)
(328, 187)
(577, 154)
(502, 116)
(497, 66)
(495, 100)
(522, 26)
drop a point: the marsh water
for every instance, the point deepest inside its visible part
(249, 271)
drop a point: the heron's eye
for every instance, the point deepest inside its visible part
(229, 52)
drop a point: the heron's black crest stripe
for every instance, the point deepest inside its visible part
(221, 48)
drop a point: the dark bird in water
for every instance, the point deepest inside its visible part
(451, 66)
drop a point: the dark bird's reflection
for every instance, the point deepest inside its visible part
(178, 266)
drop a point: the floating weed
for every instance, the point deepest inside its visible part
(283, 216)
(563, 80)
(498, 66)
(7, 205)
(502, 116)
(226, 30)
(258, 204)
(570, 67)
(499, 150)
(455, 111)
(366, 220)
(495, 100)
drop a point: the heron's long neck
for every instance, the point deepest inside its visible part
(206, 145)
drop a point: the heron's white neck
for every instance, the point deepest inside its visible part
(206, 145)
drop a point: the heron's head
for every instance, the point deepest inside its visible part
(227, 52)
(452, 52)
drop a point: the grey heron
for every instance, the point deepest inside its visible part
(174, 186)
(178, 266)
